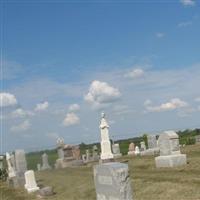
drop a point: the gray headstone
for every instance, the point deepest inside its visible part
(197, 139)
(142, 146)
(1, 162)
(112, 181)
(45, 162)
(169, 143)
(21, 164)
(152, 142)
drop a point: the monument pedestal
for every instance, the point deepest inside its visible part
(131, 153)
(171, 160)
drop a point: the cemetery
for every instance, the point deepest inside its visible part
(159, 168)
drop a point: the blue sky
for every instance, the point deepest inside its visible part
(63, 63)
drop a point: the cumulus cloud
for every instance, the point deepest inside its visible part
(188, 2)
(171, 105)
(74, 107)
(71, 119)
(135, 73)
(42, 106)
(21, 127)
(7, 99)
(160, 35)
(20, 113)
(101, 94)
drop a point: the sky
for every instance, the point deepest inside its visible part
(65, 62)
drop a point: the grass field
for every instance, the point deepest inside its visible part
(149, 183)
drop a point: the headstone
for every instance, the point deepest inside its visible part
(131, 149)
(84, 157)
(39, 167)
(170, 155)
(45, 162)
(13, 162)
(21, 164)
(116, 151)
(60, 145)
(95, 155)
(87, 152)
(137, 151)
(76, 152)
(112, 181)
(11, 171)
(1, 162)
(142, 146)
(106, 153)
(197, 139)
(31, 185)
(152, 142)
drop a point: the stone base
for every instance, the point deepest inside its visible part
(60, 163)
(106, 160)
(150, 152)
(171, 160)
(131, 153)
(118, 155)
(30, 190)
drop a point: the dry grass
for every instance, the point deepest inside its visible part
(148, 183)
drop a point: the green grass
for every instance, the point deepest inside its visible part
(149, 183)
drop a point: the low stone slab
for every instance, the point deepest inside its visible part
(112, 181)
(171, 160)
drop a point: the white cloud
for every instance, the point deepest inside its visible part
(21, 113)
(160, 35)
(171, 105)
(74, 107)
(101, 94)
(21, 127)
(184, 24)
(135, 73)
(42, 106)
(188, 2)
(71, 119)
(7, 99)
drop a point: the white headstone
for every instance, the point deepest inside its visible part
(112, 181)
(11, 171)
(106, 153)
(30, 185)
(137, 150)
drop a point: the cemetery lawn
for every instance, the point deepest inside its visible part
(149, 183)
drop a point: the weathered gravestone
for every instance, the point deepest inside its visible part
(116, 151)
(197, 139)
(95, 155)
(39, 167)
(152, 141)
(45, 162)
(142, 146)
(131, 149)
(112, 181)
(21, 164)
(1, 162)
(87, 152)
(152, 146)
(170, 155)
(31, 185)
(106, 153)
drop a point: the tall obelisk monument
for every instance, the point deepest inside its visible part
(106, 153)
